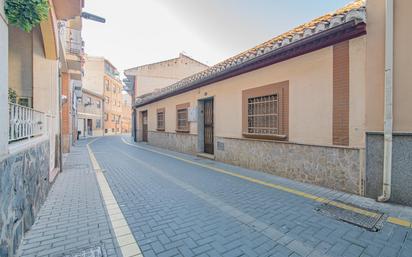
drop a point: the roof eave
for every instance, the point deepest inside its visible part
(312, 43)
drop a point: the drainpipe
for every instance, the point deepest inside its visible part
(60, 121)
(388, 118)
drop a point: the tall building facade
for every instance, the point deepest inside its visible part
(102, 79)
(71, 78)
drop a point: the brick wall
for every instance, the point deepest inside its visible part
(341, 93)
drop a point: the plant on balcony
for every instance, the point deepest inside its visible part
(12, 96)
(26, 14)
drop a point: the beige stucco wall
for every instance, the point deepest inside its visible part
(376, 65)
(94, 74)
(310, 98)
(149, 83)
(90, 112)
(403, 66)
(21, 62)
(4, 62)
(357, 81)
(159, 75)
(46, 91)
(92, 109)
(45, 78)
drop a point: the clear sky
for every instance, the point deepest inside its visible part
(138, 32)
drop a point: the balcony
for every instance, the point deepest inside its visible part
(25, 123)
(74, 43)
(75, 48)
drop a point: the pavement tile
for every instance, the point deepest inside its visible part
(175, 208)
(73, 215)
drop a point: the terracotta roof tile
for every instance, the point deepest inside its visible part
(354, 10)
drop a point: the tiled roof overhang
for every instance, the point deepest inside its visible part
(329, 37)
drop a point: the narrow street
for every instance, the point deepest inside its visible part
(205, 128)
(180, 205)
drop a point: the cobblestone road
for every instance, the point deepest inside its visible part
(180, 205)
(175, 208)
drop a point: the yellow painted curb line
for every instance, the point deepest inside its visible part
(393, 220)
(125, 239)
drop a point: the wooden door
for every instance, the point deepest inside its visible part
(144, 124)
(208, 124)
(89, 127)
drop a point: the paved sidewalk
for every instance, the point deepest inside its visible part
(73, 219)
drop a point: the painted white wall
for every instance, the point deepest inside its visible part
(4, 68)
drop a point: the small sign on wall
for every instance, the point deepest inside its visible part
(192, 113)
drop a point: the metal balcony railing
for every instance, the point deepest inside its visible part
(25, 123)
(73, 47)
(74, 43)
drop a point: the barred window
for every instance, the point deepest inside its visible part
(182, 120)
(161, 120)
(263, 116)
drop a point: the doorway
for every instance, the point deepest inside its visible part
(208, 126)
(81, 127)
(144, 126)
(90, 127)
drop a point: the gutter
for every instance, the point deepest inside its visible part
(388, 116)
(343, 32)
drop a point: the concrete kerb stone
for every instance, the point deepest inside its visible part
(125, 239)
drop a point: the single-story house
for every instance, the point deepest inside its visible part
(310, 104)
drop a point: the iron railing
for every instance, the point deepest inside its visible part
(74, 43)
(73, 47)
(25, 123)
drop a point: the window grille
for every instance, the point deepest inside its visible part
(160, 120)
(182, 120)
(263, 115)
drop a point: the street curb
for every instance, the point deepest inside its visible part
(125, 239)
